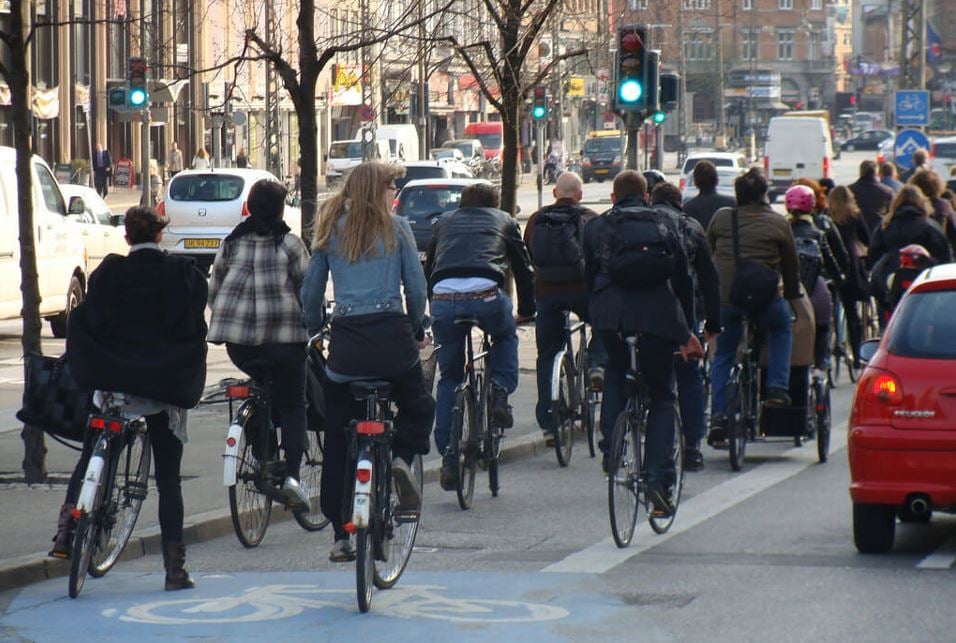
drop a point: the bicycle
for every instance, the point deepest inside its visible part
(384, 532)
(841, 351)
(253, 472)
(113, 490)
(474, 439)
(572, 396)
(743, 401)
(627, 486)
(818, 413)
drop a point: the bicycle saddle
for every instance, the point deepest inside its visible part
(259, 370)
(467, 322)
(364, 389)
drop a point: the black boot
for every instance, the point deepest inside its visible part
(65, 527)
(174, 560)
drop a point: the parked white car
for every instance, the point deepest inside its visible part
(102, 232)
(203, 207)
(61, 265)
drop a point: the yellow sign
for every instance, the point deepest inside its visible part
(576, 87)
(345, 78)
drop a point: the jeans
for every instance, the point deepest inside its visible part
(495, 317)
(690, 395)
(656, 364)
(778, 325)
(549, 336)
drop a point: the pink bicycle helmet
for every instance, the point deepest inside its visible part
(800, 199)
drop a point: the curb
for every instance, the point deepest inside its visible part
(34, 568)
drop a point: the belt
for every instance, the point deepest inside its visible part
(480, 294)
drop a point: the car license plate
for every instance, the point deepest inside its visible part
(781, 172)
(194, 244)
(601, 171)
(422, 256)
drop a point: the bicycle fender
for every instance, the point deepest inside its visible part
(556, 374)
(91, 481)
(230, 458)
(363, 490)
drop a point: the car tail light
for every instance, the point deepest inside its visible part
(161, 209)
(245, 209)
(683, 184)
(766, 165)
(826, 167)
(237, 392)
(585, 161)
(616, 161)
(877, 393)
(880, 157)
(932, 151)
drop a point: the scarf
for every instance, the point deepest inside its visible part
(275, 228)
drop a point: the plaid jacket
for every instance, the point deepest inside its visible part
(254, 291)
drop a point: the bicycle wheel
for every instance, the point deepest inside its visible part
(462, 425)
(83, 542)
(661, 525)
(400, 536)
(823, 420)
(250, 509)
(623, 477)
(491, 444)
(588, 399)
(119, 513)
(364, 568)
(562, 412)
(738, 401)
(312, 519)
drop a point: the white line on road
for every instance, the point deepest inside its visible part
(942, 558)
(605, 555)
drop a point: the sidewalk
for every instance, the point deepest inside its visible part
(30, 512)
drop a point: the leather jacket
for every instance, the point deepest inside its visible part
(481, 242)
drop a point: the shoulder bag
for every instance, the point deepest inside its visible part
(52, 399)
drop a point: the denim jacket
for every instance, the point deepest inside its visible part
(373, 284)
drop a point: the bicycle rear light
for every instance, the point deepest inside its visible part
(237, 391)
(363, 475)
(370, 428)
(97, 423)
(231, 441)
(114, 426)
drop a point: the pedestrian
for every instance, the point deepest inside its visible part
(155, 182)
(826, 184)
(102, 170)
(242, 159)
(856, 239)
(141, 331)
(553, 236)
(175, 161)
(371, 256)
(201, 160)
(871, 196)
(703, 206)
(467, 263)
(889, 176)
(920, 160)
(648, 295)
(942, 213)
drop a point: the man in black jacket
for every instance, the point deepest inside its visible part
(467, 263)
(872, 197)
(707, 201)
(656, 312)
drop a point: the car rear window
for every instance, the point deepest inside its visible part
(423, 202)
(602, 144)
(206, 187)
(926, 327)
(415, 173)
(348, 150)
(718, 162)
(947, 150)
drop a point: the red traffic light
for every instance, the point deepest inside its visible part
(540, 91)
(631, 42)
(853, 100)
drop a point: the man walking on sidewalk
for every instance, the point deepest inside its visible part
(102, 170)
(175, 160)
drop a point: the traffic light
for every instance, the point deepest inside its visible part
(670, 91)
(539, 103)
(137, 98)
(631, 68)
(659, 117)
(116, 98)
(652, 82)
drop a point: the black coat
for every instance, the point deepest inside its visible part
(855, 235)
(141, 329)
(703, 206)
(943, 215)
(910, 225)
(874, 200)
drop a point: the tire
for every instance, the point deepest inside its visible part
(311, 479)
(463, 416)
(399, 544)
(623, 475)
(249, 508)
(121, 509)
(661, 525)
(810, 413)
(850, 147)
(824, 420)
(587, 399)
(74, 296)
(874, 528)
(737, 421)
(563, 411)
(491, 447)
(83, 542)
(364, 568)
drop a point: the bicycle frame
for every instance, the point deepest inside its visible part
(105, 456)
(256, 400)
(567, 349)
(371, 439)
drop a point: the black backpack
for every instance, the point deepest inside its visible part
(636, 249)
(556, 245)
(810, 258)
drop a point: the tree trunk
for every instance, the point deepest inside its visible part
(309, 152)
(509, 152)
(34, 465)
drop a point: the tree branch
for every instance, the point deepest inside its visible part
(537, 23)
(542, 74)
(470, 63)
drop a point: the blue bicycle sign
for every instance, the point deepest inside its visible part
(912, 107)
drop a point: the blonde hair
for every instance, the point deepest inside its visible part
(843, 207)
(364, 197)
(908, 195)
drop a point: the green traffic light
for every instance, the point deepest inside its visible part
(630, 91)
(659, 117)
(538, 112)
(137, 97)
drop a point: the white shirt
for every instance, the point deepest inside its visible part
(459, 285)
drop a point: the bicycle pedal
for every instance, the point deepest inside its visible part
(407, 516)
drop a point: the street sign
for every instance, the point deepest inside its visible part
(907, 142)
(912, 107)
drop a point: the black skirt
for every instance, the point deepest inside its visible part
(380, 345)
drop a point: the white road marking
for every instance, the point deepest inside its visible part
(605, 555)
(942, 558)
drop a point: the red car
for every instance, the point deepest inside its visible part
(902, 442)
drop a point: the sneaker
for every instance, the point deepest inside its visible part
(500, 409)
(549, 438)
(693, 459)
(342, 551)
(449, 472)
(295, 496)
(596, 376)
(777, 397)
(717, 438)
(661, 504)
(406, 486)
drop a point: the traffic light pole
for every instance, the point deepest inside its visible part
(539, 154)
(632, 122)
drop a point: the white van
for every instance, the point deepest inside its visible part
(344, 155)
(402, 141)
(61, 261)
(797, 147)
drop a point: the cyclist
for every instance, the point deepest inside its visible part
(371, 255)
(553, 238)
(653, 178)
(647, 294)
(141, 331)
(256, 313)
(873, 197)
(889, 176)
(765, 238)
(470, 253)
(690, 380)
(942, 210)
(856, 240)
(703, 206)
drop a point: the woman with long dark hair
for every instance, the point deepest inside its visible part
(856, 239)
